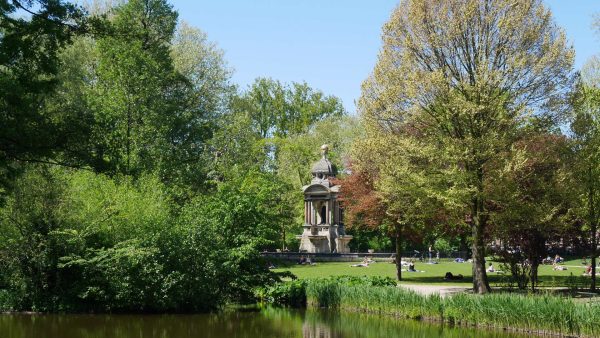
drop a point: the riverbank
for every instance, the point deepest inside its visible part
(542, 314)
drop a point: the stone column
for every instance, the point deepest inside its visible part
(307, 207)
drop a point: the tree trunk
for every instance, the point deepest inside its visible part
(534, 273)
(480, 280)
(398, 252)
(593, 252)
(283, 238)
(478, 223)
(593, 227)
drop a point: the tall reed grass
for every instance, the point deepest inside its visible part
(541, 313)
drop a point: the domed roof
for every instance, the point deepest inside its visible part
(324, 166)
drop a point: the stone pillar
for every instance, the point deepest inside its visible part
(305, 213)
(331, 215)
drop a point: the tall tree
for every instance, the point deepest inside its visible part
(31, 36)
(457, 78)
(281, 110)
(138, 98)
(585, 127)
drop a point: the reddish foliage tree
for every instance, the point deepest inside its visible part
(365, 209)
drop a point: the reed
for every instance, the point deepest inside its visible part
(541, 313)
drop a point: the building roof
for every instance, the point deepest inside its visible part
(324, 166)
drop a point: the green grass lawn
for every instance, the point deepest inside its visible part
(432, 273)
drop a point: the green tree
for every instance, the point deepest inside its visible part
(282, 110)
(585, 127)
(531, 201)
(146, 116)
(241, 219)
(29, 63)
(29, 247)
(456, 79)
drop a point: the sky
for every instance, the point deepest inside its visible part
(330, 44)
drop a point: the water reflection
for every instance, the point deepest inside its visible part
(270, 323)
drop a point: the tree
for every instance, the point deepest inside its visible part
(147, 115)
(29, 63)
(457, 78)
(364, 209)
(276, 128)
(381, 193)
(283, 110)
(585, 127)
(531, 202)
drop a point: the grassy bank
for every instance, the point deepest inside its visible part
(518, 312)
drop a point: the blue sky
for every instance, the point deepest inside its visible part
(330, 44)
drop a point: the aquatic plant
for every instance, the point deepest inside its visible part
(523, 312)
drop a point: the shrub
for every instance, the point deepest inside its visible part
(290, 293)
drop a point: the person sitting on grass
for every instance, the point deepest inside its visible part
(558, 259)
(411, 267)
(490, 268)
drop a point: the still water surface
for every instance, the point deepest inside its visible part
(269, 323)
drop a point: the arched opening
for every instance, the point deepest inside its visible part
(323, 214)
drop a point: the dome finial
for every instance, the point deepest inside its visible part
(324, 150)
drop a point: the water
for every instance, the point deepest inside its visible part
(269, 323)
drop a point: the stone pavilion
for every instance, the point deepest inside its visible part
(323, 229)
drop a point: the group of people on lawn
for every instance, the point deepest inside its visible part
(410, 265)
(367, 260)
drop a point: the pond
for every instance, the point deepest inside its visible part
(268, 323)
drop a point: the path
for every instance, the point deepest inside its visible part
(443, 290)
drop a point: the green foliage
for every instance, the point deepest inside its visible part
(278, 110)
(291, 293)
(29, 63)
(240, 219)
(443, 246)
(585, 127)
(78, 241)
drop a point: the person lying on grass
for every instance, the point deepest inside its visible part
(450, 276)
(364, 264)
(557, 267)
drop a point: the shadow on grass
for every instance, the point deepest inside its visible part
(406, 277)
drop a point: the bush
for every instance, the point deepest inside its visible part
(78, 241)
(290, 293)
